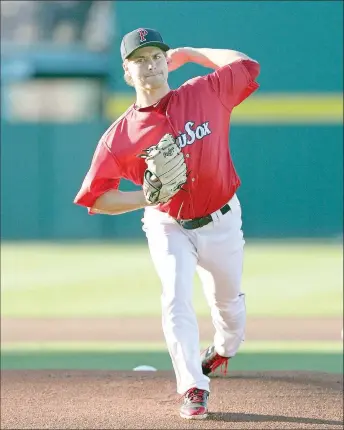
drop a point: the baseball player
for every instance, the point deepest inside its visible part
(175, 144)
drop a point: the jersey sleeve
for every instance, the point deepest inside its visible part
(104, 175)
(235, 82)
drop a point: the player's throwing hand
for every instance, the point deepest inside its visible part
(177, 58)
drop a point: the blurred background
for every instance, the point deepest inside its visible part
(70, 277)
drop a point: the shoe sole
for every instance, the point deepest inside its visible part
(193, 417)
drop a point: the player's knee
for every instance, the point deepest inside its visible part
(230, 307)
(176, 305)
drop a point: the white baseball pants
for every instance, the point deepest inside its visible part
(215, 251)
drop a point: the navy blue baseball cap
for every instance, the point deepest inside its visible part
(139, 38)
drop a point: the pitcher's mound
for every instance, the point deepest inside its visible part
(147, 400)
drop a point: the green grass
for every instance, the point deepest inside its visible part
(331, 362)
(255, 356)
(92, 279)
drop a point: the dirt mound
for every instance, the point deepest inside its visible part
(147, 400)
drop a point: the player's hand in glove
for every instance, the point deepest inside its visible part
(166, 171)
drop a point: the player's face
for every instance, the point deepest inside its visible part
(147, 68)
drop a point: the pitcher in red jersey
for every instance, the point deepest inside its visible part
(199, 228)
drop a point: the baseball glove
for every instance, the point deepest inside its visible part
(166, 171)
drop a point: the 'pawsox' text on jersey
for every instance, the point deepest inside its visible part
(193, 133)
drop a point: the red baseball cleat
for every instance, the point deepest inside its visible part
(211, 360)
(194, 405)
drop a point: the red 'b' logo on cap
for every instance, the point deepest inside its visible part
(142, 32)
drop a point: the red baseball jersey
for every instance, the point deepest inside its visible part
(197, 114)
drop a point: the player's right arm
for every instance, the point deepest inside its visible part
(234, 78)
(208, 57)
(99, 191)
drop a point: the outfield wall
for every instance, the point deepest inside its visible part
(292, 182)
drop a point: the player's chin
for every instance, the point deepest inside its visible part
(154, 82)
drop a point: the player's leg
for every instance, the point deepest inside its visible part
(175, 258)
(220, 270)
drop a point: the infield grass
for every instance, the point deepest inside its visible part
(255, 356)
(103, 279)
